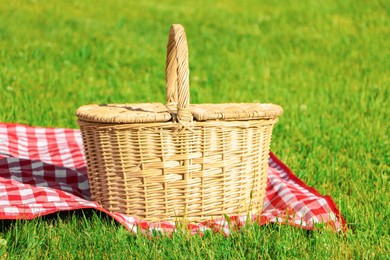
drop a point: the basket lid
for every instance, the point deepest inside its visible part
(235, 111)
(124, 113)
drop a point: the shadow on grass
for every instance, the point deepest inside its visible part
(82, 215)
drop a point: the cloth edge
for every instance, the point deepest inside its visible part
(298, 181)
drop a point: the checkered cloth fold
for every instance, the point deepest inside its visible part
(42, 171)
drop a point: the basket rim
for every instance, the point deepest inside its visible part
(157, 112)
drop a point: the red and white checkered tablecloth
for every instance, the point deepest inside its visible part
(42, 171)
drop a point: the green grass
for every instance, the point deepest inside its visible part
(325, 62)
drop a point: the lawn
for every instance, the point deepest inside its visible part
(327, 63)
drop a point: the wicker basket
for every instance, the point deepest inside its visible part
(161, 162)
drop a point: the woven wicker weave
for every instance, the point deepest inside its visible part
(163, 162)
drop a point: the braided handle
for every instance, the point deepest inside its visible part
(177, 74)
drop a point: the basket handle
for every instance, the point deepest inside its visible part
(177, 75)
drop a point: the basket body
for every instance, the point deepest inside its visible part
(156, 173)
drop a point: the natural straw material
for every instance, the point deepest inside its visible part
(163, 162)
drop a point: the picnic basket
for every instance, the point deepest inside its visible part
(163, 162)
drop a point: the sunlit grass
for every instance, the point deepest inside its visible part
(325, 62)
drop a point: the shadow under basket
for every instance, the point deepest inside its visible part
(163, 162)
